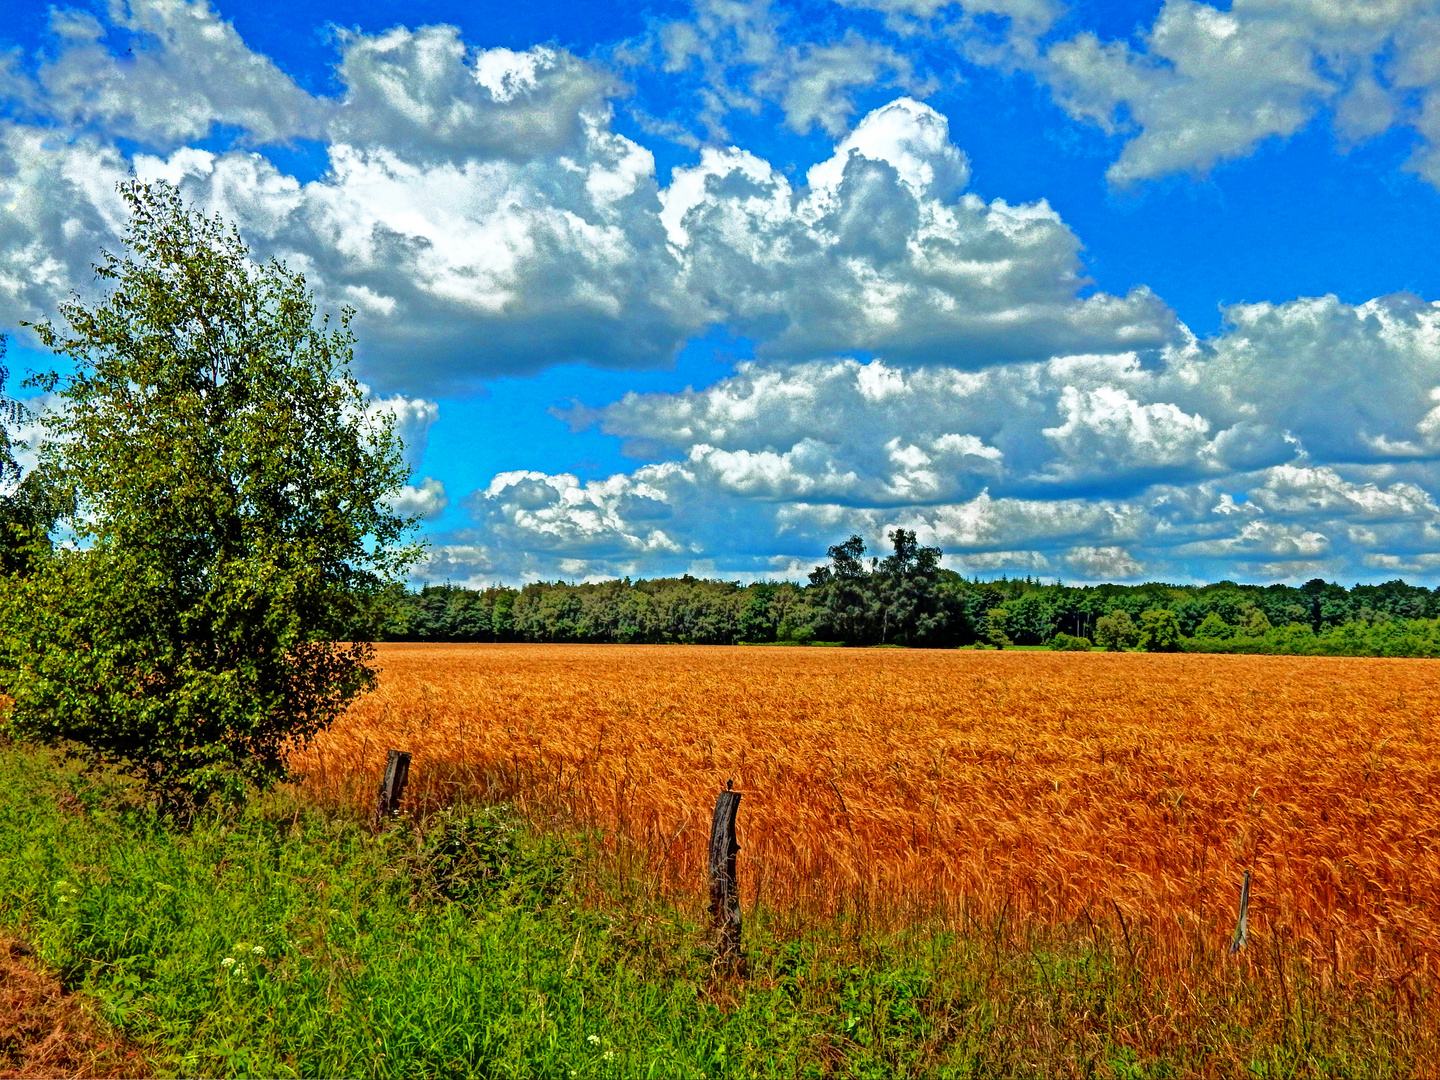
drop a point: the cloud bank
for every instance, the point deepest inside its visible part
(924, 357)
(484, 218)
(1295, 443)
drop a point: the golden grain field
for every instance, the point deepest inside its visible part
(1051, 787)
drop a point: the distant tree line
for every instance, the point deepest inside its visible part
(907, 598)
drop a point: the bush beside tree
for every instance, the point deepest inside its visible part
(993, 628)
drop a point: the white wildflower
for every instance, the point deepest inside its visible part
(609, 1055)
(593, 1040)
(229, 961)
(258, 951)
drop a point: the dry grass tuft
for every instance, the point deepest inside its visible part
(1122, 794)
(45, 1032)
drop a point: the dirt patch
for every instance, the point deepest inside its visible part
(45, 1032)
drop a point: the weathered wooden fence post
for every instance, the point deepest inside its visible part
(724, 889)
(392, 787)
(1242, 923)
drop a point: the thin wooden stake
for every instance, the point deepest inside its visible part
(724, 889)
(392, 787)
(1124, 929)
(1242, 924)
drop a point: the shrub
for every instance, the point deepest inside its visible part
(1213, 627)
(1297, 639)
(1116, 631)
(993, 627)
(1063, 642)
(1254, 624)
(468, 855)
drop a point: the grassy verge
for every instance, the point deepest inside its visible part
(287, 941)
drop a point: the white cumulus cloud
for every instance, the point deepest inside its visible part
(1290, 444)
(183, 71)
(1207, 84)
(870, 254)
(426, 502)
(411, 417)
(1110, 563)
(741, 57)
(482, 217)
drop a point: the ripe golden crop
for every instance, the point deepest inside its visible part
(1054, 787)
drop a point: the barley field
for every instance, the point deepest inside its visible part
(1117, 794)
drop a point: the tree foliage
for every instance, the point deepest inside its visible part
(1116, 631)
(1214, 628)
(994, 628)
(229, 499)
(1159, 631)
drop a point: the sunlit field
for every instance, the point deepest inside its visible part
(1109, 794)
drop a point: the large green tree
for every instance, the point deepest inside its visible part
(230, 499)
(849, 608)
(912, 611)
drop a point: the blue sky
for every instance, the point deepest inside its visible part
(1095, 291)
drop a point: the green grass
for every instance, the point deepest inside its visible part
(477, 948)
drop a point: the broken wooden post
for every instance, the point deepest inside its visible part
(724, 889)
(1242, 923)
(392, 787)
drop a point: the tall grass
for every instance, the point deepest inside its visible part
(945, 787)
(467, 944)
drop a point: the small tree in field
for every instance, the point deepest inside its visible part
(993, 627)
(229, 497)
